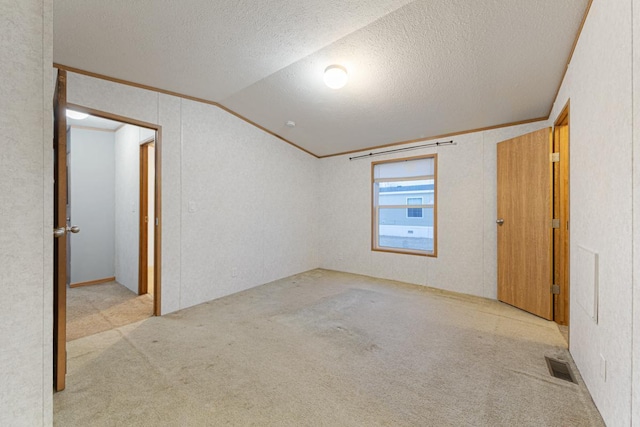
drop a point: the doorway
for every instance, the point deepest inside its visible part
(141, 202)
(561, 215)
(147, 217)
(103, 176)
(533, 222)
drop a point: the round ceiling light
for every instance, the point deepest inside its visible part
(335, 76)
(77, 115)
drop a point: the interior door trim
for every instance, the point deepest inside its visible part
(143, 220)
(561, 259)
(157, 255)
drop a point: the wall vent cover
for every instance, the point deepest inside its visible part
(560, 369)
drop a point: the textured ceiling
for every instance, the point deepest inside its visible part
(417, 68)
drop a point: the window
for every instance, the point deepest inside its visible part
(404, 205)
(414, 212)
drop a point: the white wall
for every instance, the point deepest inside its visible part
(146, 134)
(249, 206)
(599, 85)
(636, 213)
(253, 215)
(91, 195)
(467, 206)
(127, 205)
(26, 171)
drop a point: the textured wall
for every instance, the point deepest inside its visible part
(248, 206)
(91, 196)
(240, 207)
(466, 189)
(127, 205)
(26, 193)
(599, 85)
(636, 213)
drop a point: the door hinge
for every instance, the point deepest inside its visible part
(555, 289)
(555, 157)
(555, 223)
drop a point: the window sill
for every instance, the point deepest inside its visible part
(406, 252)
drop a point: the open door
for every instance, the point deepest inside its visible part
(59, 232)
(147, 219)
(525, 223)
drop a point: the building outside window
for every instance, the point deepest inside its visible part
(414, 212)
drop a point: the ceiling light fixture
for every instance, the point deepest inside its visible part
(335, 76)
(77, 115)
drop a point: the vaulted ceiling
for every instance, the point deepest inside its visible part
(417, 69)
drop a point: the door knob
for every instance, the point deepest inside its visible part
(61, 231)
(500, 221)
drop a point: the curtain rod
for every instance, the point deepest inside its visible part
(431, 144)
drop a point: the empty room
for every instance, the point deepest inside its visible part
(380, 212)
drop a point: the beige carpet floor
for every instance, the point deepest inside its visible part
(326, 349)
(98, 308)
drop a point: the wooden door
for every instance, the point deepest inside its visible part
(143, 261)
(60, 224)
(524, 223)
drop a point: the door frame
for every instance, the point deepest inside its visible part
(561, 186)
(143, 252)
(157, 253)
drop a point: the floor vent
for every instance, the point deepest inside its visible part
(560, 369)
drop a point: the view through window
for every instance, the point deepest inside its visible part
(404, 205)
